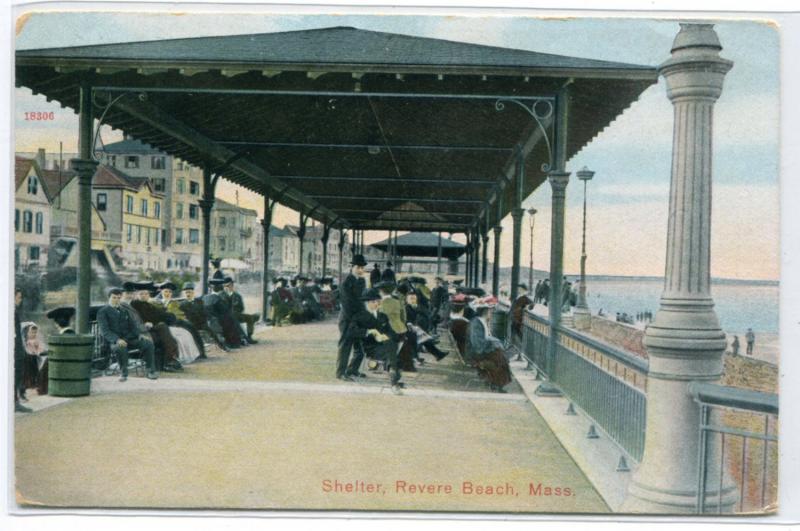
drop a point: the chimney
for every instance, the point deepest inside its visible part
(40, 158)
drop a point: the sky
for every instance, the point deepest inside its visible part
(628, 197)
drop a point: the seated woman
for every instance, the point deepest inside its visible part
(418, 321)
(485, 349)
(35, 357)
(459, 324)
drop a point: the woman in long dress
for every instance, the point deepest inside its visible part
(187, 348)
(485, 349)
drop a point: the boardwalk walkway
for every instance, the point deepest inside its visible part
(268, 427)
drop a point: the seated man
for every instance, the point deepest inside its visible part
(418, 321)
(485, 350)
(172, 305)
(166, 348)
(119, 330)
(378, 338)
(194, 311)
(159, 321)
(518, 307)
(309, 299)
(234, 299)
(281, 301)
(217, 308)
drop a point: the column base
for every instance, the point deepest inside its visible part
(582, 318)
(647, 499)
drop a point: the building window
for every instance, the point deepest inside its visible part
(157, 163)
(157, 235)
(33, 252)
(27, 221)
(129, 204)
(181, 186)
(144, 207)
(193, 211)
(147, 235)
(33, 185)
(233, 222)
(129, 230)
(194, 187)
(39, 223)
(194, 236)
(178, 236)
(223, 221)
(138, 234)
(131, 161)
(160, 185)
(179, 210)
(221, 241)
(157, 210)
(16, 220)
(102, 201)
(112, 160)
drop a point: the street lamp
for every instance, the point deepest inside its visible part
(583, 317)
(532, 212)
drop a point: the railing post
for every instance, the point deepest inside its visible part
(685, 342)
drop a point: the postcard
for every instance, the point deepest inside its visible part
(505, 264)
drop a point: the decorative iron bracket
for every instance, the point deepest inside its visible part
(541, 109)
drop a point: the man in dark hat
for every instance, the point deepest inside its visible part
(216, 263)
(158, 320)
(122, 334)
(439, 303)
(375, 275)
(350, 299)
(372, 328)
(236, 302)
(62, 317)
(195, 313)
(218, 309)
(388, 274)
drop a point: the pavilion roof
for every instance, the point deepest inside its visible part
(361, 129)
(423, 244)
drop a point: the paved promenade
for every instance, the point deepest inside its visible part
(268, 427)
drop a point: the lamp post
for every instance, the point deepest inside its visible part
(583, 317)
(532, 212)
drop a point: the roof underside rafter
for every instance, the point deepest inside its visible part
(398, 132)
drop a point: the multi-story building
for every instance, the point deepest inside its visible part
(106, 244)
(136, 159)
(312, 251)
(283, 249)
(31, 215)
(232, 232)
(186, 249)
(133, 207)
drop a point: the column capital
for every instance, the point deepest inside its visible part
(85, 168)
(558, 180)
(695, 70)
(485, 238)
(517, 213)
(497, 229)
(206, 204)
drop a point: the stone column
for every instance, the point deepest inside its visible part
(485, 258)
(476, 259)
(85, 170)
(326, 231)
(341, 249)
(685, 342)
(206, 204)
(498, 230)
(301, 235)
(439, 254)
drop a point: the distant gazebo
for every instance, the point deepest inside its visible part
(409, 248)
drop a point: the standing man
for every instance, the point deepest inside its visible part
(439, 300)
(237, 307)
(375, 275)
(518, 307)
(119, 330)
(350, 298)
(750, 337)
(388, 274)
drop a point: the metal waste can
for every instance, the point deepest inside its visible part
(70, 364)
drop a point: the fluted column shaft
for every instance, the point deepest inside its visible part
(685, 342)
(558, 183)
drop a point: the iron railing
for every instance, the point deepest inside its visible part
(743, 456)
(608, 384)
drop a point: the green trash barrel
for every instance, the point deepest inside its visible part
(499, 323)
(70, 364)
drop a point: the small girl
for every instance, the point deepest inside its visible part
(35, 356)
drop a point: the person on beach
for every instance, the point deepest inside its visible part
(735, 346)
(750, 337)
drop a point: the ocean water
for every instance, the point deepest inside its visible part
(739, 306)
